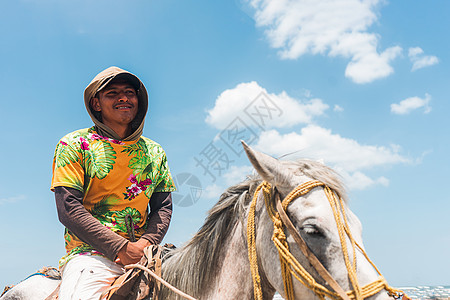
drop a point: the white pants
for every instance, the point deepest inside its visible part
(86, 277)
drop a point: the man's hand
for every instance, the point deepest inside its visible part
(132, 252)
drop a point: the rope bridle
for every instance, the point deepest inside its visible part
(289, 264)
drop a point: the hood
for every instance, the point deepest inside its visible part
(98, 83)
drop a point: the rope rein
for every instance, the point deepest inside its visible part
(168, 285)
(289, 264)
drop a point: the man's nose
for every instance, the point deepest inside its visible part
(123, 96)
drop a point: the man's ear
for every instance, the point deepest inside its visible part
(95, 104)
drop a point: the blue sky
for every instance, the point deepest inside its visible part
(362, 86)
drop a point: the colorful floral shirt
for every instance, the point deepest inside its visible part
(116, 177)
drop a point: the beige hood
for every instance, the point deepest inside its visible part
(98, 83)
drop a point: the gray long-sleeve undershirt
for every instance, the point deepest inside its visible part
(74, 216)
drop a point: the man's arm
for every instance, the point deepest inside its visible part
(157, 224)
(159, 218)
(79, 221)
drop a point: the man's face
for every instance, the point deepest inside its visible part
(117, 103)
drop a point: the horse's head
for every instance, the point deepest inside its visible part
(313, 217)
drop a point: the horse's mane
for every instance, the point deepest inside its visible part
(192, 267)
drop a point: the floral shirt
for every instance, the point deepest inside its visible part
(116, 177)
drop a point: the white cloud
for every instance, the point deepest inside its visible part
(249, 101)
(13, 199)
(338, 108)
(343, 154)
(213, 191)
(420, 60)
(408, 105)
(333, 27)
(360, 181)
(237, 174)
(234, 175)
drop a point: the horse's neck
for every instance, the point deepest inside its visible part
(233, 277)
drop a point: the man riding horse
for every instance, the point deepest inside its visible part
(104, 179)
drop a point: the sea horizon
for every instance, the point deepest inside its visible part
(419, 292)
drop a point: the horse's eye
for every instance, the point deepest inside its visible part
(311, 229)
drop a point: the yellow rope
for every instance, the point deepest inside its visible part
(289, 264)
(257, 290)
(342, 225)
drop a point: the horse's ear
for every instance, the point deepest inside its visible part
(269, 168)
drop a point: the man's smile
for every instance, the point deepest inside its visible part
(123, 106)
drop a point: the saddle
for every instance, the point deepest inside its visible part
(48, 272)
(136, 284)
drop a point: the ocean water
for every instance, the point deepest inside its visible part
(418, 293)
(427, 292)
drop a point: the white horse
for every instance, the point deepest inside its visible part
(214, 264)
